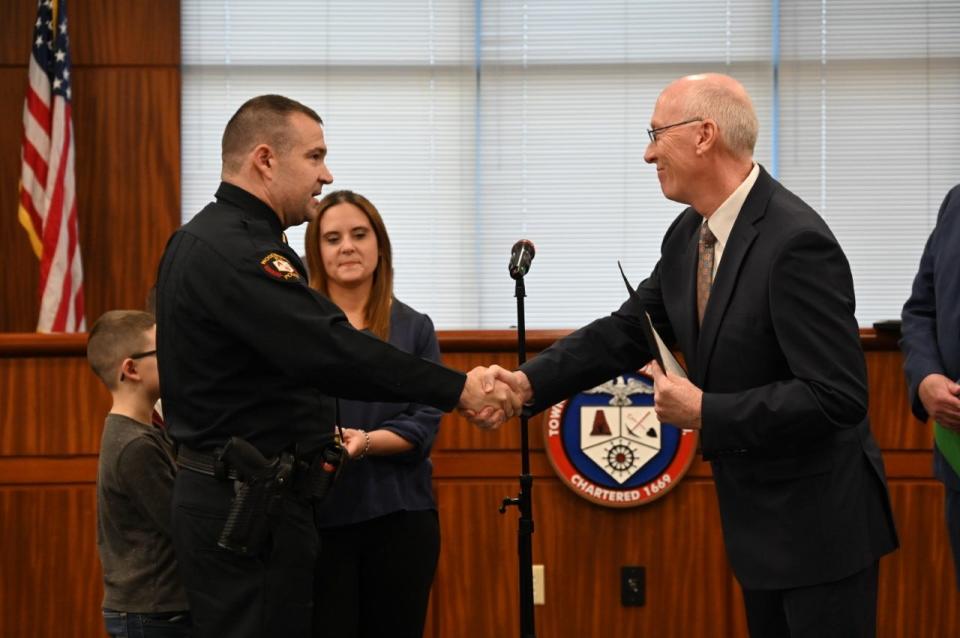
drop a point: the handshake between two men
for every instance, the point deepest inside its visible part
(493, 394)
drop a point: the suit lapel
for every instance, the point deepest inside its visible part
(678, 276)
(742, 236)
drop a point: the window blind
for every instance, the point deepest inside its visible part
(394, 84)
(473, 124)
(566, 93)
(869, 130)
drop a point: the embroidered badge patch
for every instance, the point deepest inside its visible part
(607, 445)
(279, 267)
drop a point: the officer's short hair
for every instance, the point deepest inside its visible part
(262, 119)
(116, 335)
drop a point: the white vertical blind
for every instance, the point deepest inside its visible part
(472, 124)
(394, 84)
(870, 130)
(566, 94)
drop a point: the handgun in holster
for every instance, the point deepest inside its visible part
(261, 483)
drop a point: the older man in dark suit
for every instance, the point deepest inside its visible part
(756, 292)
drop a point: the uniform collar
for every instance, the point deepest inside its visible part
(249, 204)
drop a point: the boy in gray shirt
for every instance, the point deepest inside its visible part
(143, 596)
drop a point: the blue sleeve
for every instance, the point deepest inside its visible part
(418, 423)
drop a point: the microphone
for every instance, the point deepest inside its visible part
(520, 257)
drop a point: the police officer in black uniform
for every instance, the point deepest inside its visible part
(246, 349)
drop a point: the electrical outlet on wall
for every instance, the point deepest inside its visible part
(633, 586)
(539, 596)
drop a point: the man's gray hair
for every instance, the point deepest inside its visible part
(732, 111)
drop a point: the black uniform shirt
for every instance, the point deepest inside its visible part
(246, 348)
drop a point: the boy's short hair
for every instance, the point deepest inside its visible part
(115, 336)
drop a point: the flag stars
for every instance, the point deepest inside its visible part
(51, 42)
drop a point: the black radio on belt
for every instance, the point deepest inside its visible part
(261, 483)
(317, 476)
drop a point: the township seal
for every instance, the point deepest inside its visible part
(608, 446)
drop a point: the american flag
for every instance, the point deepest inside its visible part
(48, 206)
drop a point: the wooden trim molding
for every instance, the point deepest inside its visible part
(447, 465)
(35, 344)
(496, 340)
(32, 344)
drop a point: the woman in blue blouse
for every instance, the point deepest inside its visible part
(380, 536)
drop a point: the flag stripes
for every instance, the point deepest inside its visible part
(47, 198)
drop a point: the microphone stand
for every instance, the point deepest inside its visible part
(524, 501)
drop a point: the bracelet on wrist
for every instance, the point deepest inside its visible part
(366, 445)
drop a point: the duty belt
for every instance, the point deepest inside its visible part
(204, 463)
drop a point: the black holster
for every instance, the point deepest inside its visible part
(257, 501)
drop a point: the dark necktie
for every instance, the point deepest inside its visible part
(704, 268)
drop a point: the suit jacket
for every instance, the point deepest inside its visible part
(931, 317)
(799, 477)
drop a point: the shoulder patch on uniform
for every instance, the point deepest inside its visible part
(279, 267)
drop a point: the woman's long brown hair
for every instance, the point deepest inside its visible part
(376, 313)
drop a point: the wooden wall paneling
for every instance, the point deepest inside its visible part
(677, 539)
(690, 589)
(51, 584)
(125, 32)
(51, 406)
(918, 595)
(39, 471)
(894, 425)
(19, 273)
(128, 175)
(16, 25)
(475, 590)
(486, 463)
(105, 32)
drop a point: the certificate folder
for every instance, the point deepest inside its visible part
(668, 363)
